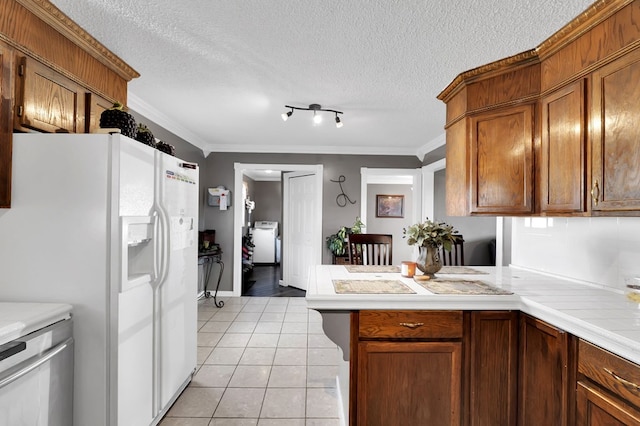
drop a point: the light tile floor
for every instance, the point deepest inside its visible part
(262, 361)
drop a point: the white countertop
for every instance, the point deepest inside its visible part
(602, 316)
(19, 319)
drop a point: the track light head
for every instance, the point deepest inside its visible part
(338, 122)
(317, 118)
(285, 115)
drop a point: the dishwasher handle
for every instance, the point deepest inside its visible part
(44, 357)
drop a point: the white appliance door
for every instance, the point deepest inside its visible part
(135, 164)
(177, 200)
(264, 241)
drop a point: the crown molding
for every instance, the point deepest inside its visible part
(432, 145)
(55, 18)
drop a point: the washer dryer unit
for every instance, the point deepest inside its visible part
(264, 241)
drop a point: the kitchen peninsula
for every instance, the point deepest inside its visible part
(494, 355)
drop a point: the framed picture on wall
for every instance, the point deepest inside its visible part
(389, 205)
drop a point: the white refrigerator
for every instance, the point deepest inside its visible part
(108, 225)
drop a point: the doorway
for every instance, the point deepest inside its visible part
(405, 183)
(313, 225)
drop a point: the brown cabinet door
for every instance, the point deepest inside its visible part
(598, 408)
(502, 161)
(563, 151)
(409, 383)
(47, 100)
(493, 376)
(6, 128)
(546, 372)
(616, 135)
(95, 105)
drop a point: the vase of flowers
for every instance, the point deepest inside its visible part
(429, 236)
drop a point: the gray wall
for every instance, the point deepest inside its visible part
(218, 169)
(391, 225)
(268, 198)
(477, 231)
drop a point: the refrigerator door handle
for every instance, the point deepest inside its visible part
(163, 245)
(156, 247)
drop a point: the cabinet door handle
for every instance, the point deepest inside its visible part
(412, 325)
(595, 192)
(625, 382)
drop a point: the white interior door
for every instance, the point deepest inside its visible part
(301, 209)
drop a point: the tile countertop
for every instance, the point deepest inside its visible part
(19, 319)
(601, 316)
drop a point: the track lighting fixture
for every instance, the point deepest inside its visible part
(317, 118)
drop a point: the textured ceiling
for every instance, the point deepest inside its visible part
(218, 73)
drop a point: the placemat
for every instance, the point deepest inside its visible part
(371, 287)
(442, 286)
(372, 268)
(460, 270)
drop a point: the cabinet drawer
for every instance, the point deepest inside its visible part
(410, 324)
(615, 374)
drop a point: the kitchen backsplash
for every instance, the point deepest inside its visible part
(600, 250)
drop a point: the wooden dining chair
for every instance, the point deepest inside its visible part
(454, 257)
(370, 249)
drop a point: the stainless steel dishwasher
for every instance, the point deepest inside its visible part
(36, 370)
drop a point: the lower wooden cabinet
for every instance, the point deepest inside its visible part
(596, 407)
(546, 380)
(493, 368)
(483, 368)
(409, 383)
(608, 391)
(406, 368)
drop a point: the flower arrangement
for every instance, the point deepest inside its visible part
(429, 233)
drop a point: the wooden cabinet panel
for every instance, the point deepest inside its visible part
(411, 324)
(95, 105)
(502, 161)
(613, 374)
(597, 408)
(409, 383)
(493, 374)
(563, 150)
(47, 100)
(547, 375)
(457, 171)
(6, 128)
(616, 135)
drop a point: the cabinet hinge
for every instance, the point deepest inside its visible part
(20, 111)
(21, 70)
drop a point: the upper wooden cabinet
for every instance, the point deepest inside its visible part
(578, 154)
(94, 106)
(563, 150)
(47, 101)
(54, 77)
(6, 122)
(501, 161)
(616, 136)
